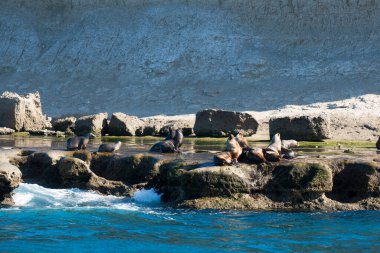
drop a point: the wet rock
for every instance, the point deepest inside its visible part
(299, 180)
(6, 131)
(75, 173)
(91, 124)
(189, 182)
(356, 180)
(219, 123)
(66, 125)
(22, 113)
(125, 125)
(10, 179)
(131, 170)
(301, 128)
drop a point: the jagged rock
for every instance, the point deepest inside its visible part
(10, 178)
(66, 125)
(22, 113)
(75, 173)
(125, 125)
(91, 124)
(159, 125)
(301, 128)
(6, 131)
(219, 123)
(356, 180)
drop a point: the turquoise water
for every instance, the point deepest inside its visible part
(46, 220)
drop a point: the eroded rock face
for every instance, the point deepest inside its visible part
(125, 125)
(356, 181)
(10, 178)
(22, 113)
(301, 128)
(302, 180)
(219, 123)
(91, 124)
(65, 125)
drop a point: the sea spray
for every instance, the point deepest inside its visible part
(147, 196)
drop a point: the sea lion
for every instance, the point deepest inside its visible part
(234, 148)
(79, 142)
(289, 144)
(171, 144)
(171, 134)
(222, 158)
(178, 140)
(273, 151)
(287, 153)
(242, 141)
(378, 144)
(255, 155)
(109, 147)
(164, 147)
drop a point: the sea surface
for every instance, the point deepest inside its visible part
(72, 220)
(47, 220)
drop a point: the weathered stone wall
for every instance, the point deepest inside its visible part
(178, 56)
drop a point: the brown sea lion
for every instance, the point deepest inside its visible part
(234, 148)
(273, 151)
(242, 141)
(178, 140)
(79, 142)
(109, 147)
(378, 144)
(223, 158)
(255, 155)
(171, 134)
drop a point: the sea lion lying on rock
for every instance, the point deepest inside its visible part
(171, 144)
(109, 147)
(79, 142)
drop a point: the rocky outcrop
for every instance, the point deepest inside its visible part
(95, 124)
(159, 125)
(6, 131)
(10, 178)
(306, 183)
(219, 123)
(65, 125)
(302, 128)
(75, 173)
(125, 125)
(22, 113)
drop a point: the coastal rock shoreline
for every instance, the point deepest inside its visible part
(327, 183)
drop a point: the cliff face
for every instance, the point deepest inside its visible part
(150, 57)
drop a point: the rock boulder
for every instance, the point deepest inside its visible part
(125, 125)
(91, 124)
(301, 128)
(10, 178)
(219, 123)
(22, 113)
(66, 124)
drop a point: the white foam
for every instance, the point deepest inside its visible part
(37, 196)
(147, 196)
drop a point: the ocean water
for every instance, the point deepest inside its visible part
(48, 220)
